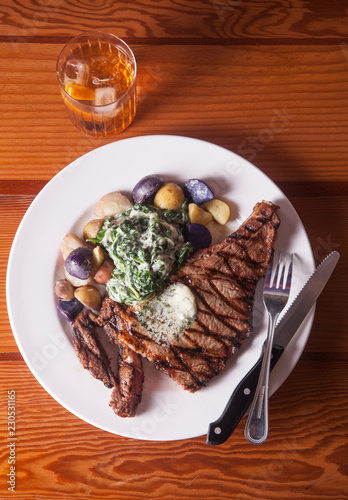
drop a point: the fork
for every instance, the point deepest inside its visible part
(275, 296)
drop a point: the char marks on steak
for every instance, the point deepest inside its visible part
(89, 350)
(127, 381)
(223, 278)
(126, 395)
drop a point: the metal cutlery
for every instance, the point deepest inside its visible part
(221, 429)
(276, 292)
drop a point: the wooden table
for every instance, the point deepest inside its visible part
(217, 70)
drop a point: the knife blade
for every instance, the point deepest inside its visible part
(241, 398)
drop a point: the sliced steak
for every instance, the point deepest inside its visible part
(127, 381)
(223, 279)
(126, 395)
(89, 350)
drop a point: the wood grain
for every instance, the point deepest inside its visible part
(11, 214)
(61, 457)
(264, 78)
(289, 119)
(212, 19)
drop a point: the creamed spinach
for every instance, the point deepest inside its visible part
(146, 244)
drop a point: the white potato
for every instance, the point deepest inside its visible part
(70, 243)
(111, 204)
(76, 281)
(169, 197)
(198, 216)
(218, 209)
(89, 296)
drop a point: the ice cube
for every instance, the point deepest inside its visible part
(104, 95)
(100, 82)
(76, 72)
(101, 71)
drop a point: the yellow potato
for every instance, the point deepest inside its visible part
(198, 216)
(92, 228)
(89, 296)
(169, 197)
(98, 257)
(218, 209)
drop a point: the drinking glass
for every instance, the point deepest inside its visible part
(97, 76)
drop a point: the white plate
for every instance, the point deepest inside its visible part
(166, 412)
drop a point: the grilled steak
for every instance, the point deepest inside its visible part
(223, 278)
(126, 395)
(89, 350)
(127, 382)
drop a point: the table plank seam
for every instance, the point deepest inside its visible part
(187, 41)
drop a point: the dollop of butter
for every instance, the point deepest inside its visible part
(169, 313)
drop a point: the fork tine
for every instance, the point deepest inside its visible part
(288, 281)
(285, 279)
(279, 272)
(283, 272)
(268, 278)
(282, 263)
(275, 265)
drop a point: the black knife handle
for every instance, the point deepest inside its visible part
(240, 400)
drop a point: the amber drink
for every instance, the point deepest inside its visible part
(97, 77)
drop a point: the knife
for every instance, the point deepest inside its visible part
(240, 400)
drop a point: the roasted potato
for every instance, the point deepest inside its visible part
(64, 290)
(70, 243)
(98, 258)
(146, 188)
(89, 296)
(198, 216)
(79, 263)
(218, 209)
(111, 204)
(169, 197)
(69, 308)
(198, 191)
(198, 235)
(76, 282)
(103, 274)
(92, 228)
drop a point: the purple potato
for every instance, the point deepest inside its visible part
(198, 235)
(79, 263)
(146, 188)
(69, 308)
(198, 191)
